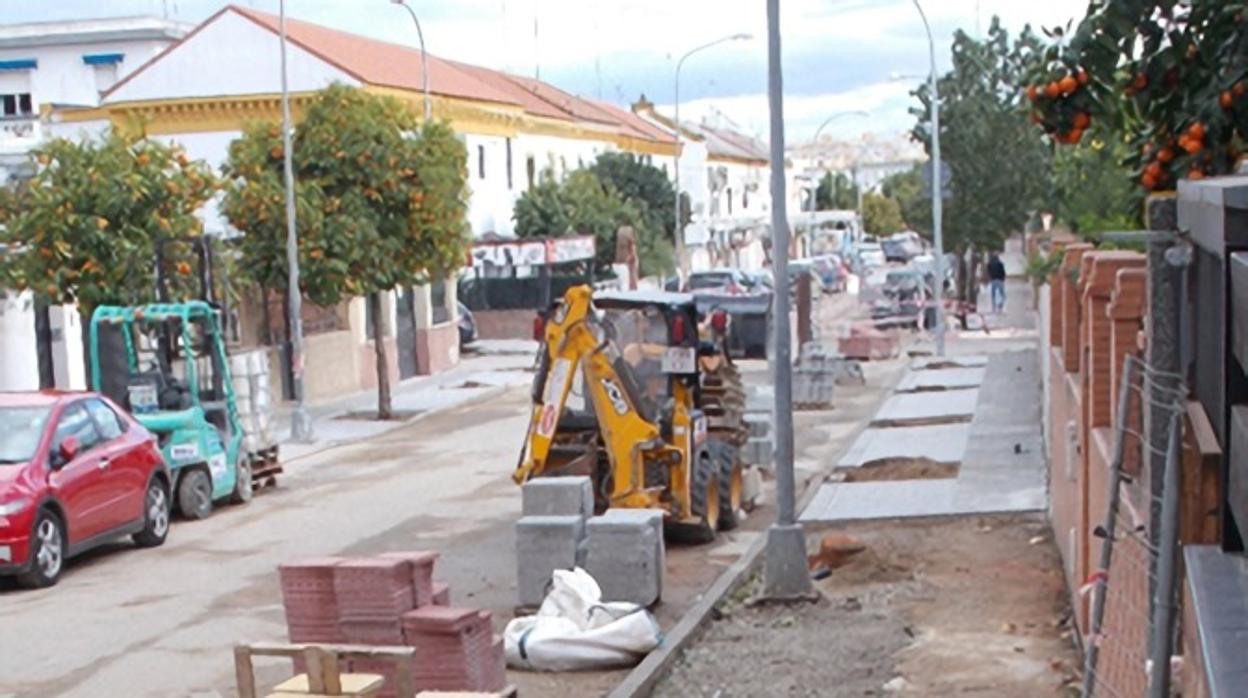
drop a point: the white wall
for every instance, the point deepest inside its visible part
(19, 361)
(231, 56)
(489, 208)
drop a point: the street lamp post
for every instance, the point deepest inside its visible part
(814, 141)
(785, 575)
(680, 234)
(300, 422)
(424, 57)
(937, 194)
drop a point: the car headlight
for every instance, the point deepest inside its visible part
(13, 506)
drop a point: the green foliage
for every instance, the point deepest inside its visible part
(617, 190)
(999, 164)
(381, 200)
(836, 192)
(1041, 266)
(1170, 74)
(84, 229)
(906, 188)
(881, 215)
(1092, 189)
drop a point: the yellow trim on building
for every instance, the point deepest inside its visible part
(166, 117)
(731, 160)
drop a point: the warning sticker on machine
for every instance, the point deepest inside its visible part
(216, 467)
(187, 451)
(557, 381)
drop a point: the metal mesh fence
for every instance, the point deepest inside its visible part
(1132, 586)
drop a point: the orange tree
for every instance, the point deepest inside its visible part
(381, 202)
(84, 228)
(1169, 74)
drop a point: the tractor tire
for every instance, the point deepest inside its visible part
(244, 488)
(704, 499)
(731, 484)
(195, 494)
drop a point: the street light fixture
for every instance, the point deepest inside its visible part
(680, 234)
(300, 422)
(424, 57)
(937, 204)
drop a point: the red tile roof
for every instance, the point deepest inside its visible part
(639, 126)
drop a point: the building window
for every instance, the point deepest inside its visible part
(105, 65)
(16, 105)
(745, 199)
(530, 170)
(730, 201)
(481, 161)
(579, 161)
(509, 163)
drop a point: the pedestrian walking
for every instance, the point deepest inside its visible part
(996, 282)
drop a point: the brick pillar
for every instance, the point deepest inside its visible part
(1099, 275)
(1126, 312)
(1068, 283)
(1055, 294)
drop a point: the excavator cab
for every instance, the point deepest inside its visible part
(619, 396)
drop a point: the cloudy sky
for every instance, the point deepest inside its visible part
(838, 54)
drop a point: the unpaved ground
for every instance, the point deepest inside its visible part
(969, 607)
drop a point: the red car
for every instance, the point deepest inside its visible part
(75, 471)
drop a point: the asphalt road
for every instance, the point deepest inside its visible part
(138, 623)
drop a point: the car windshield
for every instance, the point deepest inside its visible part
(20, 430)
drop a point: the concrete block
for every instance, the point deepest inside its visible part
(558, 496)
(626, 554)
(544, 544)
(751, 487)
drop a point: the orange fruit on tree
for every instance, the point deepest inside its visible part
(1238, 89)
(1032, 92)
(1082, 76)
(1197, 131)
(1068, 84)
(1154, 169)
(1195, 173)
(1075, 136)
(1225, 100)
(1082, 120)
(184, 268)
(1149, 181)
(101, 223)
(1052, 90)
(1140, 82)
(1191, 145)
(1165, 155)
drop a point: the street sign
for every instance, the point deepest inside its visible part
(946, 177)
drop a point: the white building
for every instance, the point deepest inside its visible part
(226, 73)
(45, 65)
(726, 176)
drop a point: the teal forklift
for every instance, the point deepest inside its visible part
(167, 363)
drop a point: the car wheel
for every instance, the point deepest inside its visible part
(195, 494)
(155, 516)
(243, 486)
(47, 552)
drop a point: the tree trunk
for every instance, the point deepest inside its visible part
(384, 411)
(43, 343)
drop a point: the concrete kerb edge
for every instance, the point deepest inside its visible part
(489, 393)
(640, 682)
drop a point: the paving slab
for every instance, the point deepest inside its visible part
(929, 362)
(909, 407)
(943, 443)
(941, 379)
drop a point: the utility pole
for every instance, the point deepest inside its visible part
(784, 574)
(937, 194)
(300, 423)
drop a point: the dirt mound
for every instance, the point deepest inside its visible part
(886, 469)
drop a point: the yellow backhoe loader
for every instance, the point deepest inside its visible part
(635, 392)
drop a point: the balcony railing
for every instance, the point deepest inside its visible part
(19, 131)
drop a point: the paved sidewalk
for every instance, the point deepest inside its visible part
(345, 419)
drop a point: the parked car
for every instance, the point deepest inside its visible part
(867, 255)
(467, 326)
(75, 471)
(895, 251)
(731, 281)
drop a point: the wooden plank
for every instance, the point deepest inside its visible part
(244, 678)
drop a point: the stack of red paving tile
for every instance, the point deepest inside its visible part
(372, 594)
(392, 600)
(310, 601)
(455, 649)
